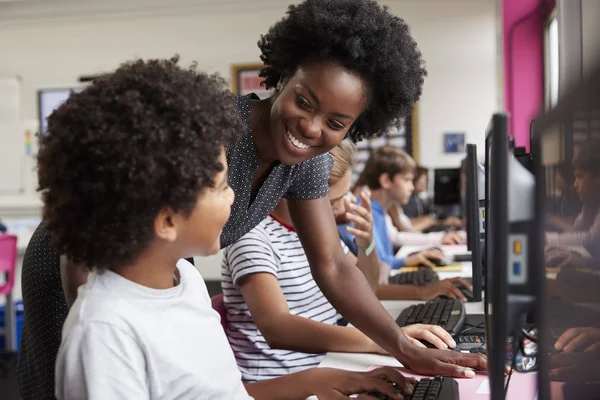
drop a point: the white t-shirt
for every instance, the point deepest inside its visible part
(275, 249)
(122, 340)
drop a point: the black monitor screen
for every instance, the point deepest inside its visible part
(446, 186)
(566, 155)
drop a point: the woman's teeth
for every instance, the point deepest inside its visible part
(298, 144)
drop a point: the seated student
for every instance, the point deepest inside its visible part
(360, 234)
(279, 321)
(417, 215)
(586, 228)
(129, 190)
(388, 174)
(567, 205)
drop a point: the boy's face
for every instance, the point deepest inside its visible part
(203, 227)
(587, 185)
(402, 187)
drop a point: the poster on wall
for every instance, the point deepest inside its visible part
(245, 80)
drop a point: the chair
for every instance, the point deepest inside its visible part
(8, 261)
(8, 266)
(219, 306)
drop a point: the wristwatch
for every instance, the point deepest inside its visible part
(367, 250)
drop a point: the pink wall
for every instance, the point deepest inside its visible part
(523, 64)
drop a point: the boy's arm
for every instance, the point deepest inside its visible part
(99, 361)
(283, 330)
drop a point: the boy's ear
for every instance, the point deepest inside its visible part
(165, 224)
(384, 180)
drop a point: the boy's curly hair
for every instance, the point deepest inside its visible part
(142, 138)
(364, 37)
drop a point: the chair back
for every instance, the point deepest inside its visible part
(8, 261)
(219, 306)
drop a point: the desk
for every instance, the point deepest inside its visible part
(467, 267)
(522, 387)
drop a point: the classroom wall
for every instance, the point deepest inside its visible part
(51, 44)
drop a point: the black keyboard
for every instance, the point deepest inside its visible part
(471, 343)
(437, 388)
(448, 313)
(420, 277)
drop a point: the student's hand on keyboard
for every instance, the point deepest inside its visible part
(434, 334)
(579, 339)
(423, 258)
(442, 362)
(447, 288)
(458, 237)
(332, 383)
(453, 222)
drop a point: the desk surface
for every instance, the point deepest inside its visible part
(522, 387)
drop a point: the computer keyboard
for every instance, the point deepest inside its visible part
(438, 388)
(420, 277)
(448, 313)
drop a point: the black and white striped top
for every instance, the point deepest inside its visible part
(271, 248)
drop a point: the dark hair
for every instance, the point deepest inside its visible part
(365, 38)
(587, 158)
(145, 137)
(565, 169)
(385, 160)
(419, 172)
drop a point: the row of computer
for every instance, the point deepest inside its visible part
(505, 203)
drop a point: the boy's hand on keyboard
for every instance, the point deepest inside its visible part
(332, 383)
(447, 288)
(434, 334)
(445, 363)
(423, 258)
(454, 238)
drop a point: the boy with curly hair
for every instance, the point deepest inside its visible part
(133, 176)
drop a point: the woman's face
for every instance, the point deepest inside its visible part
(313, 111)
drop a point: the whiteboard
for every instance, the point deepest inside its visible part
(12, 152)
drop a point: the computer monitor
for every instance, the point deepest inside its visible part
(446, 186)
(569, 133)
(509, 275)
(49, 100)
(473, 218)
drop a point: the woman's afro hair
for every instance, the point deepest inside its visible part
(145, 137)
(364, 37)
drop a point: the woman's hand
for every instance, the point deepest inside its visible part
(328, 383)
(434, 334)
(459, 237)
(423, 258)
(447, 288)
(579, 339)
(362, 217)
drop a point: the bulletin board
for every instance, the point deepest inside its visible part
(11, 136)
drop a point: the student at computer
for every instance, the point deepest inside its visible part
(361, 229)
(586, 227)
(388, 174)
(567, 204)
(125, 197)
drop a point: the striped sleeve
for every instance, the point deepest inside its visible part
(252, 254)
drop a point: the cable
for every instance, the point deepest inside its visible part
(515, 349)
(470, 327)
